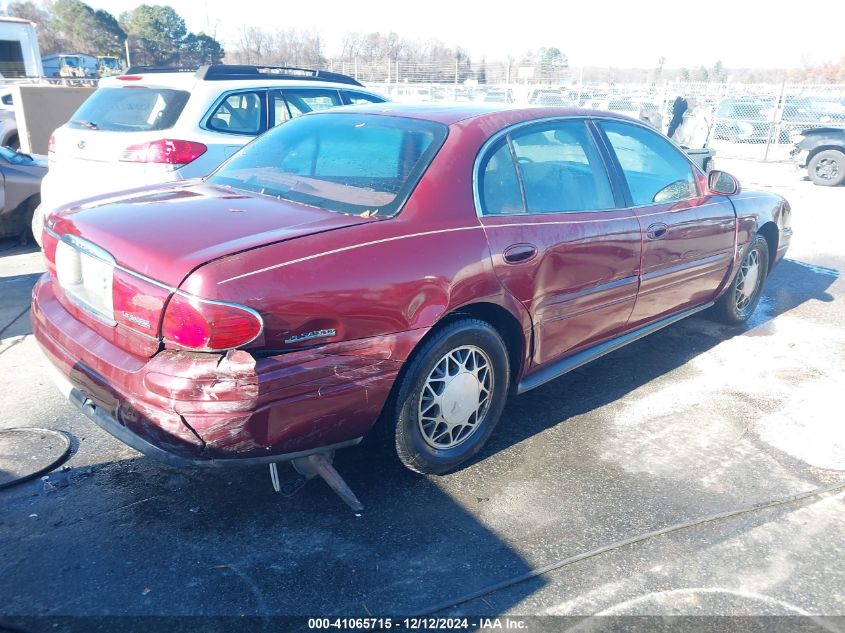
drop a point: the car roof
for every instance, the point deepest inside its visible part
(188, 81)
(451, 113)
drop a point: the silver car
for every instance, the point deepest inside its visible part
(20, 187)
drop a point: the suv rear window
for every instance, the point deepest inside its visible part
(357, 164)
(130, 109)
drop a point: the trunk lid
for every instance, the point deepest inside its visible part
(163, 233)
(166, 232)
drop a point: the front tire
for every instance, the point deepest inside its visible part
(827, 168)
(740, 299)
(451, 396)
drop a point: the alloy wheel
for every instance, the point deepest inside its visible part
(827, 168)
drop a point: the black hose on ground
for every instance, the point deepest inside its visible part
(545, 569)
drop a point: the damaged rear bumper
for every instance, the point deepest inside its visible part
(188, 408)
(116, 429)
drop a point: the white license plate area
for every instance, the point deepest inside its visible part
(86, 278)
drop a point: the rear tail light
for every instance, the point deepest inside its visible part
(138, 303)
(200, 324)
(51, 144)
(165, 151)
(130, 77)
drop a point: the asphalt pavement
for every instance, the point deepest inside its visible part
(659, 480)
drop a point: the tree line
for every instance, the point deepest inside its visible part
(157, 34)
(372, 55)
(295, 47)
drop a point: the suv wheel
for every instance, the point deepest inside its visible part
(827, 168)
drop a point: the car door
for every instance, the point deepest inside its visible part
(688, 236)
(561, 241)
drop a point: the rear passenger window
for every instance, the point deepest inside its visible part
(561, 169)
(360, 98)
(499, 190)
(656, 171)
(240, 113)
(310, 100)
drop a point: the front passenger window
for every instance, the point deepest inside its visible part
(359, 98)
(305, 100)
(656, 171)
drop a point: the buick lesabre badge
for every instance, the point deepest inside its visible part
(307, 336)
(136, 320)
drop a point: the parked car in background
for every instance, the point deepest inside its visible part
(547, 97)
(156, 125)
(821, 151)
(20, 184)
(650, 113)
(242, 342)
(497, 95)
(413, 94)
(643, 111)
(813, 110)
(744, 120)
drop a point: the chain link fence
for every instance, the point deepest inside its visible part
(753, 121)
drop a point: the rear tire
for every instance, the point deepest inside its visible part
(827, 168)
(740, 299)
(450, 397)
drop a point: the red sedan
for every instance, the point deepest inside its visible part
(408, 265)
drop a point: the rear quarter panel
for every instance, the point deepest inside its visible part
(399, 274)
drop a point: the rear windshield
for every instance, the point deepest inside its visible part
(350, 163)
(130, 109)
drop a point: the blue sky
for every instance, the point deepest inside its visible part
(612, 33)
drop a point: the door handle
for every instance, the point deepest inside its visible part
(656, 231)
(517, 253)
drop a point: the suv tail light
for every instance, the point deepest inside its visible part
(203, 325)
(51, 144)
(165, 151)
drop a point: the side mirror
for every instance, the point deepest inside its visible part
(723, 183)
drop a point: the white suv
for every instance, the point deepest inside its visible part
(154, 125)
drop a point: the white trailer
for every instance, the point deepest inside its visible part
(20, 55)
